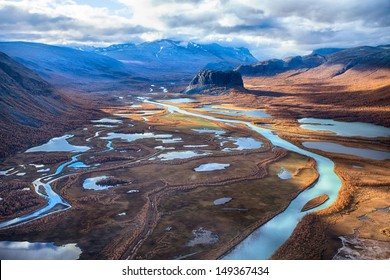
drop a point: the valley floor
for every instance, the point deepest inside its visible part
(139, 192)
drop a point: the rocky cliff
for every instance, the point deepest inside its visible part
(210, 80)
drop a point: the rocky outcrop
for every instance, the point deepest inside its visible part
(207, 80)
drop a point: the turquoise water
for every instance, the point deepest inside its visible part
(264, 241)
(23, 250)
(78, 165)
(341, 149)
(58, 144)
(109, 146)
(345, 128)
(211, 167)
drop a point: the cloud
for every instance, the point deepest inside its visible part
(269, 28)
(18, 19)
(64, 22)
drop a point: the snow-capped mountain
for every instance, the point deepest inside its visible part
(167, 56)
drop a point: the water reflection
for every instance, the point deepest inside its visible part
(345, 128)
(211, 167)
(58, 144)
(341, 149)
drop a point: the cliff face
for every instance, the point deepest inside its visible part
(206, 80)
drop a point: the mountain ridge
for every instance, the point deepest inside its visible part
(338, 59)
(64, 66)
(178, 56)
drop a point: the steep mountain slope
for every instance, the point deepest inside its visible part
(31, 109)
(66, 66)
(359, 59)
(24, 96)
(166, 57)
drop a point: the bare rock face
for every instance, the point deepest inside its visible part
(207, 80)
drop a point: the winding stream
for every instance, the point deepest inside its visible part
(265, 240)
(55, 203)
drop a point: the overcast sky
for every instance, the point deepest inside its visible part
(269, 28)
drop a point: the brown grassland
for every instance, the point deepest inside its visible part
(164, 205)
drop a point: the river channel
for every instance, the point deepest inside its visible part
(265, 240)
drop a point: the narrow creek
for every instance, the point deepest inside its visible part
(265, 240)
(42, 186)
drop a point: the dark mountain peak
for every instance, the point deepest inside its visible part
(210, 79)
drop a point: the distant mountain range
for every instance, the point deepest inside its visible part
(63, 66)
(328, 62)
(127, 63)
(177, 56)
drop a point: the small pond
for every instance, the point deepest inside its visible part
(90, 183)
(211, 167)
(58, 144)
(345, 128)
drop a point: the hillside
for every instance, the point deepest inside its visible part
(31, 109)
(68, 67)
(351, 84)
